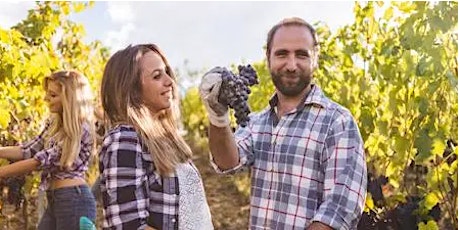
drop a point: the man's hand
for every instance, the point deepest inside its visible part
(318, 226)
(209, 93)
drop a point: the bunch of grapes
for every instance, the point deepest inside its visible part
(374, 186)
(234, 91)
(14, 194)
(15, 191)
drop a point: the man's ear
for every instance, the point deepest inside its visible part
(267, 57)
(315, 59)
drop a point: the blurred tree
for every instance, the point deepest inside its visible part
(42, 43)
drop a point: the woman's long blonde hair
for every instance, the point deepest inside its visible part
(121, 99)
(77, 109)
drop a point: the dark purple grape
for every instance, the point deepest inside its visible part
(435, 212)
(368, 221)
(15, 190)
(234, 91)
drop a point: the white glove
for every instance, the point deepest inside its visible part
(209, 93)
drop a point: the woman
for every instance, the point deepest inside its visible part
(62, 151)
(147, 177)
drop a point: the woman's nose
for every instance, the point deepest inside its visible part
(169, 81)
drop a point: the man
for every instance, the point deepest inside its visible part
(305, 151)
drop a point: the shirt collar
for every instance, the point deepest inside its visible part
(314, 97)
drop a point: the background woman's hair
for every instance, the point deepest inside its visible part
(121, 92)
(77, 110)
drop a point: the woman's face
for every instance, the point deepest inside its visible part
(53, 97)
(157, 85)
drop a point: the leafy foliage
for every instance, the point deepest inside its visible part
(395, 68)
(42, 43)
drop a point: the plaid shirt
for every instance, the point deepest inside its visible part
(49, 157)
(307, 166)
(133, 193)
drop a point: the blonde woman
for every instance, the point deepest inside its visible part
(147, 177)
(62, 151)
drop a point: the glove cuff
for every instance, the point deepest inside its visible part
(216, 120)
(221, 122)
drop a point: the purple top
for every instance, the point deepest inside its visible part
(49, 157)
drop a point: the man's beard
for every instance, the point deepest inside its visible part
(291, 90)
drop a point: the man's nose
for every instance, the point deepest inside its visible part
(291, 64)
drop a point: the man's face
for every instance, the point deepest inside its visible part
(292, 60)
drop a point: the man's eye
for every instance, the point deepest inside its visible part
(303, 56)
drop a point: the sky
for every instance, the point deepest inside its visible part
(193, 35)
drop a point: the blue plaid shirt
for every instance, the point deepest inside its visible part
(307, 166)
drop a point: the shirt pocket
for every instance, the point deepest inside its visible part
(262, 149)
(301, 156)
(163, 202)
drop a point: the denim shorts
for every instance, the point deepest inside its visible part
(66, 206)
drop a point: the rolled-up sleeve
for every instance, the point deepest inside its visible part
(123, 182)
(345, 176)
(47, 157)
(32, 147)
(243, 139)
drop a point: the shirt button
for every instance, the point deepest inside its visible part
(173, 220)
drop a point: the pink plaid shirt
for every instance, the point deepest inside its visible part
(307, 166)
